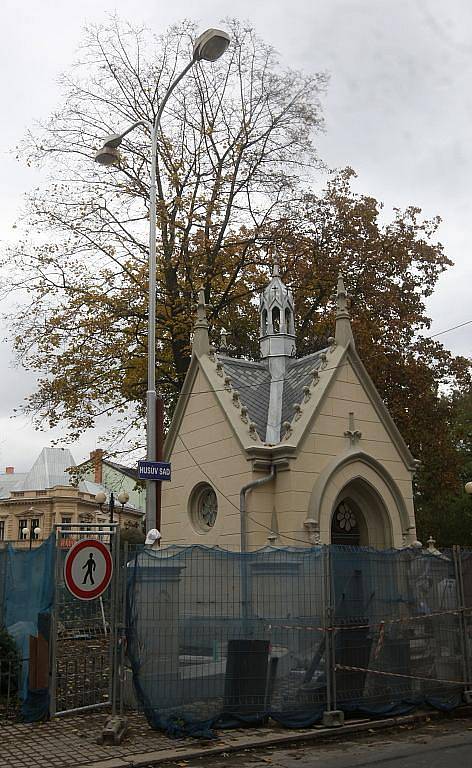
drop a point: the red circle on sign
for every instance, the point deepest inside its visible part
(72, 586)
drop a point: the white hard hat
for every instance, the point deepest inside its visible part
(152, 536)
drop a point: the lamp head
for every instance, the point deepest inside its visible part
(123, 498)
(100, 497)
(107, 156)
(468, 487)
(210, 45)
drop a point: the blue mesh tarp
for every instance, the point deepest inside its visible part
(219, 639)
(3, 568)
(29, 595)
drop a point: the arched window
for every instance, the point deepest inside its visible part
(264, 323)
(276, 320)
(344, 525)
(288, 316)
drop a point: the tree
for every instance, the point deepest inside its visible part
(237, 135)
(447, 513)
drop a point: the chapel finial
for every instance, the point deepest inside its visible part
(276, 266)
(201, 306)
(343, 333)
(224, 338)
(201, 341)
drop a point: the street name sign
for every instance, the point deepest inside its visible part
(154, 470)
(88, 569)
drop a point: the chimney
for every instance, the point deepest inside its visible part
(97, 458)
(10, 470)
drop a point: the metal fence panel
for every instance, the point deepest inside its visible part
(216, 635)
(398, 630)
(3, 572)
(83, 639)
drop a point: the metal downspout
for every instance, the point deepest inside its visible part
(245, 611)
(242, 503)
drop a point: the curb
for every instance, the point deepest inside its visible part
(142, 759)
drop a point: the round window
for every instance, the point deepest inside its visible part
(203, 508)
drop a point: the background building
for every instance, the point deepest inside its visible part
(49, 494)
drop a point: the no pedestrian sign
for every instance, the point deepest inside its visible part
(88, 569)
(154, 470)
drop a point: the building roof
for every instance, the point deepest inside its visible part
(50, 470)
(8, 482)
(127, 471)
(252, 381)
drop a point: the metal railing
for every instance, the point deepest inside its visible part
(10, 681)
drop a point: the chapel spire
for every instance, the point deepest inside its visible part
(277, 344)
(343, 334)
(277, 327)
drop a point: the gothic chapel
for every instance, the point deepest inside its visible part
(285, 451)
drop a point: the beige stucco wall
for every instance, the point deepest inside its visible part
(207, 450)
(323, 443)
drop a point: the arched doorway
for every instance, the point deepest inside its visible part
(360, 517)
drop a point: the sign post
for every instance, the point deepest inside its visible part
(88, 569)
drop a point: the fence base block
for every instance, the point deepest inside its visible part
(468, 697)
(333, 719)
(114, 731)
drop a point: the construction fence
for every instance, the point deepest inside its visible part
(201, 638)
(217, 638)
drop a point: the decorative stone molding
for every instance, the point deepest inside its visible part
(315, 376)
(306, 394)
(286, 430)
(312, 529)
(219, 368)
(244, 414)
(211, 354)
(227, 383)
(298, 410)
(344, 460)
(253, 431)
(236, 400)
(324, 361)
(352, 433)
(332, 343)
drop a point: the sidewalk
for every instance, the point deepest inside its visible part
(71, 742)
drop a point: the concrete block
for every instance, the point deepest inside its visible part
(114, 731)
(334, 719)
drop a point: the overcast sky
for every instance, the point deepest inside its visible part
(398, 110)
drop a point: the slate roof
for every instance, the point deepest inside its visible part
(297, 376)
(252, 380)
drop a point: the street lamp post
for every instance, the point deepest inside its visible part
(209, 46)
(30, 533)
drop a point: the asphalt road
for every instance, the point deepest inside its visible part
(439, 744)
